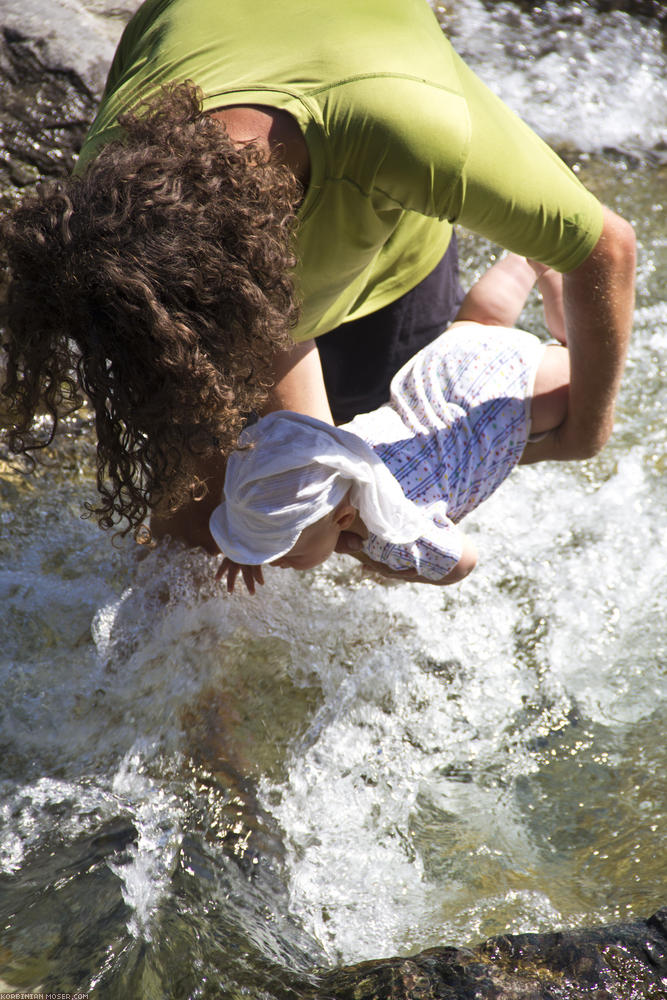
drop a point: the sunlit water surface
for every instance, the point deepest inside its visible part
(202, 795)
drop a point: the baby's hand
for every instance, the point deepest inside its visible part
(251, 574)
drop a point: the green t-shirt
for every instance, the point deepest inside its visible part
(403, 138)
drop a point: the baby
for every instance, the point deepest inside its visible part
(462, 413)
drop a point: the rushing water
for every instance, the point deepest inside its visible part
(203, 795)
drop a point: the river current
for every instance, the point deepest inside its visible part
(201, 794)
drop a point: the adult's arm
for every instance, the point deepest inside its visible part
(599, 301)
(299, 383)
(517, 192)
(463, 567)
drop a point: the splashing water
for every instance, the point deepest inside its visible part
(583, 80)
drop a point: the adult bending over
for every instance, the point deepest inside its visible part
(302, 197)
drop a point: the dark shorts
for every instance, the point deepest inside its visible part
(360, 358)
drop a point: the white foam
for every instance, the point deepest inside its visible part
(556, 615)
(157, 814)
(28, 810)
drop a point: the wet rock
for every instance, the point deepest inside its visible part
(63, 909)
(53, 62)
(618, 962)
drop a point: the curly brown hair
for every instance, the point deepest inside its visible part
(158, 286)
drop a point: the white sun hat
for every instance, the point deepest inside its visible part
(287, 472)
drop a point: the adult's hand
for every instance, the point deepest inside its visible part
(599, 302)
(349, 544)
(299, 383)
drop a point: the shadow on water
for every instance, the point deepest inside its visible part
(213, 797)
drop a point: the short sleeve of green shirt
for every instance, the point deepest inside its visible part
(404, 140)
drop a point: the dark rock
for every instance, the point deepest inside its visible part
(617, 962)
(53, 63)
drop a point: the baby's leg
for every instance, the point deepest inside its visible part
(550, 398)
(550, 286)
(498, 297)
